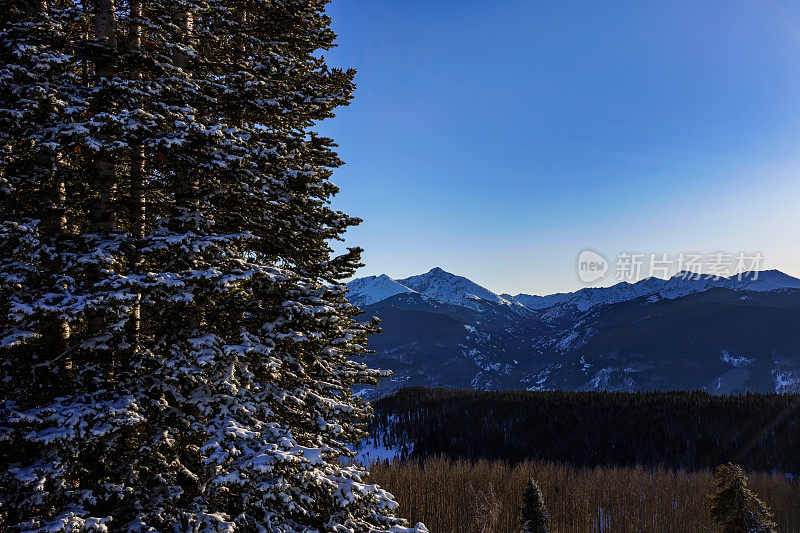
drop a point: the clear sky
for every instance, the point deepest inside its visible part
(498, 139)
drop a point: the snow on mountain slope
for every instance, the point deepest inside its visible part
(532, 301)
(681, 284)
(372, 289)
(458, 290)
(767, 280)
(585, 299)
(452, 289)
(685, 283)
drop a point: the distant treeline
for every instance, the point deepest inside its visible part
(485, 496)
(691, 430)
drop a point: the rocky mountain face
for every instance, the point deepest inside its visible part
(723, 335)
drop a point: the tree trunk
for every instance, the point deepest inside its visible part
(53, 204)
(239, 58)
(185, 21)
(186, 186)
(105, 28)
(137, 213)
(103, 166)
(137, 197)
(53, 227)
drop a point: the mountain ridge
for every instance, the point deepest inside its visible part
(454, 289)
(722, 335)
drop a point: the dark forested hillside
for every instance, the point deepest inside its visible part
(682, 335)
(691, 430)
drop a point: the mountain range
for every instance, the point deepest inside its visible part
(723, 335)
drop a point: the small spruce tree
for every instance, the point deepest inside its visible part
(735, 507)
(534, 511)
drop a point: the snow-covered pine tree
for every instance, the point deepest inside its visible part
(62, 404)
(178, 351)
(534, 511)
(734, 507)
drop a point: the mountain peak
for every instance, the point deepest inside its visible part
(453, 289)
(763, 281)
(437, 283)
(687, 275)
(373, 289)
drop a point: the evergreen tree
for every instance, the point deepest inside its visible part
(177, 349)
(534, 511)
(735, 507)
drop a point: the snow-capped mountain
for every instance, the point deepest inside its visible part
(372, 289)
(452, 289)
(532, 301)
(458, 290)
(764, 281)
(436, 283)
(719, 334)
(681, 284)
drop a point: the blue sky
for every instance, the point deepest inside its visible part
(498, 139)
